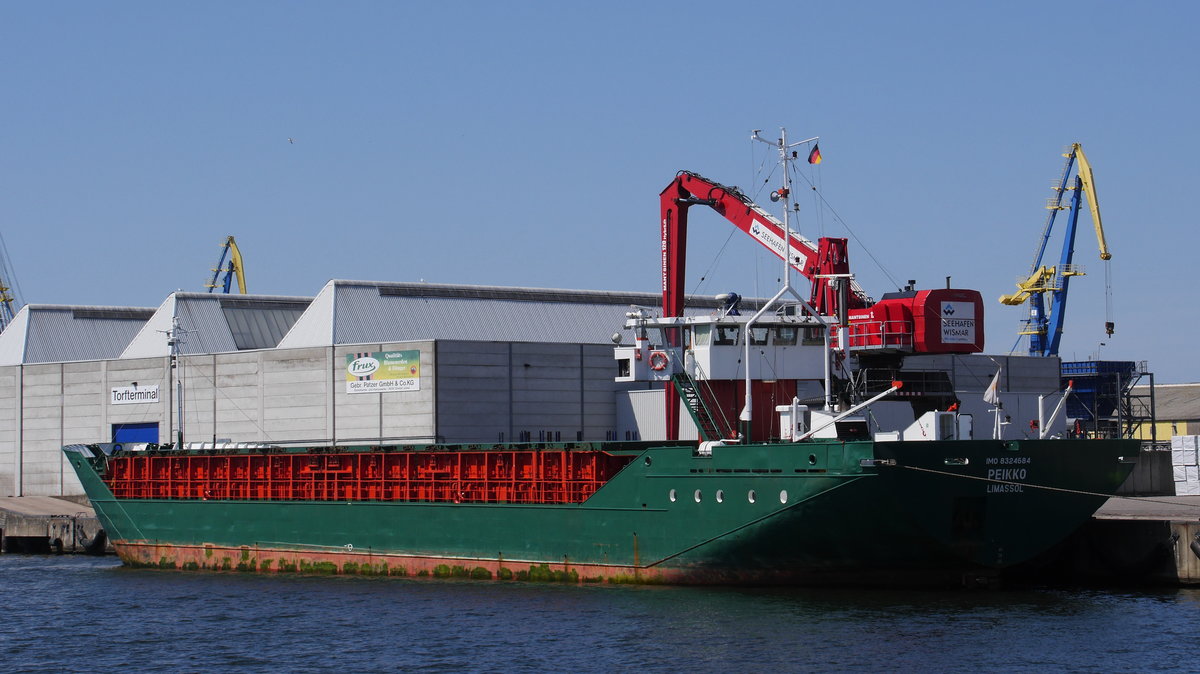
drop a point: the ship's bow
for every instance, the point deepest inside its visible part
(998, 503)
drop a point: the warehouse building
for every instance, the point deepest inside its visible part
(1176, 410)
(362, 362)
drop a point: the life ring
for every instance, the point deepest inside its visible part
(658, 360)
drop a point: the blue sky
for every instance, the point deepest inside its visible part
(526, 143)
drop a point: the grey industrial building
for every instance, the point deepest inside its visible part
(482, 364)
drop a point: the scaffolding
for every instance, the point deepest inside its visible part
(1104, 404)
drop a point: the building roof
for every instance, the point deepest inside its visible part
(365, 312)
(216, 323)
(1174, 402)
(344, 312)
(57, 333)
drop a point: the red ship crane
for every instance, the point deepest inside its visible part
(945, 320)
(821, 262)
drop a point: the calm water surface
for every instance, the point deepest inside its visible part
(82, 613)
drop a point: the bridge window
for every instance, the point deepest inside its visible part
(758, 336)
(701, 335)
(785, 336)
(814, 336)
(727, 335)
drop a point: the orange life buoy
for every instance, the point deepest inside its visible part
(658, 360)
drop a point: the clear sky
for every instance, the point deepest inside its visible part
(525, 144)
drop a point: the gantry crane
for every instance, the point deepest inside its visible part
(234, 268)
(10, 302)
(6, 305)
(1049, 284)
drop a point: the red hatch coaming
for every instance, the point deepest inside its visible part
(452, 477)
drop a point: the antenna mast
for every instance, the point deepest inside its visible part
(786, 154)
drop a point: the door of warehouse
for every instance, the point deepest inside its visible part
(140, 432)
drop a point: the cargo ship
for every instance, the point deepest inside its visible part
(809, 492)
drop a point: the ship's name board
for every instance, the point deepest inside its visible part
(134, 395)
(958, 322)
(1005, 480)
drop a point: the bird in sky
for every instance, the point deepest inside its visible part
(292, 140)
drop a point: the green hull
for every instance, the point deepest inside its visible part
(811, 512)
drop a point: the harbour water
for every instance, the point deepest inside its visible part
(85, 613)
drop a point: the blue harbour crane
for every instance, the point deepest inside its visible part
(1048, 285)
(10, 300)
(231, 268)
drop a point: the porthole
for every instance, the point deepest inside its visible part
(672, 495)
(648, 461)
(812, 459)
(783, 496)
(751, 496)
(697, 496)
(720, 496)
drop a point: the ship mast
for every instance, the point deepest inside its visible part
(786, 154)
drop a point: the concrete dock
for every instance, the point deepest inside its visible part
(47, 524)
(1131, 540)
(1157, 536)
(1181, 508)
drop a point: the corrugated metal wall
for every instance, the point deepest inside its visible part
(641, 416)
(493, 390)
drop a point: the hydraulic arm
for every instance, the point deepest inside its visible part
(822, 262)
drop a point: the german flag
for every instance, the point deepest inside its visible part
(814, 157)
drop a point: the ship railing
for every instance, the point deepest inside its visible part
(214, 446)
(889, 334)
(1031, 327)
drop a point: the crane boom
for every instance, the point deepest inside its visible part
(234, 269)
(816, 261)
(909, 321)
(1089, 188)
(10, 301)
(6, 305)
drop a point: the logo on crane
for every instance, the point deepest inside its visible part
(958, 323)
